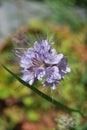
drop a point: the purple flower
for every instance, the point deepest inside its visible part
(42, 62)
(52, 57)
(52, 74)
(63, 68)
(28, 76)
(40, 73)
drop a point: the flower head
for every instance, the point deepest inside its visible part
(66, 122)
(42, 62)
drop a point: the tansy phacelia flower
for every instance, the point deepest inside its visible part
(40, 62)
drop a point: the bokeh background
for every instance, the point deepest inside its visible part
(65, 22)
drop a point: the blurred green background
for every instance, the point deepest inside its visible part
(63, 21)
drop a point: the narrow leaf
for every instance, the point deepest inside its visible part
(53, 101)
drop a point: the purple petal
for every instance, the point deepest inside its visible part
(40, 73)
(28, 76)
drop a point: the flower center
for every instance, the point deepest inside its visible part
(37, 63)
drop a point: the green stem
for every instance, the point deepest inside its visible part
(53, 101)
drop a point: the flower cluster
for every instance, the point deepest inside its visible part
(66, 122)
(41, 62)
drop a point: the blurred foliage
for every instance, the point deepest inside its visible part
(82, 3)
(18, 103)
(63, 12)
(84, 76)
